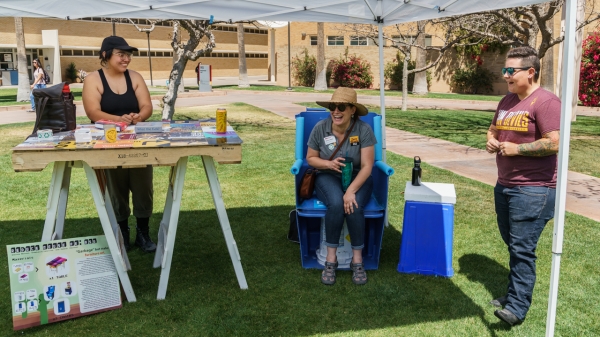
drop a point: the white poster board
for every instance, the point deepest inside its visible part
(60, 280)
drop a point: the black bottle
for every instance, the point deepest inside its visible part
(416, 172)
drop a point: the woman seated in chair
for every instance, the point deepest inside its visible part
(331, 140)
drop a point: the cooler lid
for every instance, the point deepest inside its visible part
(430, 192)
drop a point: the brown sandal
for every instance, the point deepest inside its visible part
(359, 275)
(328, 274)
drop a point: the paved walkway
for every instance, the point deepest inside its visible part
(583, 195)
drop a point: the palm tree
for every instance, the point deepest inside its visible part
(23, 90)
(243, 83)
(320, 80)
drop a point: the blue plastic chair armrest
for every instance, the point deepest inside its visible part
(385, 168)
(296, 167)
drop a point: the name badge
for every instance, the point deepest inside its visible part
(354, 141)
(330, 142)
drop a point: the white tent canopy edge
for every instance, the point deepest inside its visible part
(380, 12)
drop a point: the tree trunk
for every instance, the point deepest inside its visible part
(547, 75)
(174, 81)
(420, 83)
(320, 80)
(23, 90)
(182, 53)
(405, 82)
(243, 83)
(578, 41)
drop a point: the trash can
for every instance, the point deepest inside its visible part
(428, 227)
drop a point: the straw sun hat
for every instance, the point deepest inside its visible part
(345, 95)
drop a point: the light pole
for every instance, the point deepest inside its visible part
(149, 58)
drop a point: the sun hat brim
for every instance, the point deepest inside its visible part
(345, 95)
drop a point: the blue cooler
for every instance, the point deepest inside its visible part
(428, 229)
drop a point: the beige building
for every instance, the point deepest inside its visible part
(58, 42)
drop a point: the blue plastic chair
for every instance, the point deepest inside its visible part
(310, 211)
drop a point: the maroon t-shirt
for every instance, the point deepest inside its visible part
(525, 122)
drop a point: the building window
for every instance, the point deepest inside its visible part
(313, 40)
(409, 39)
(335, 40)
(360, 41)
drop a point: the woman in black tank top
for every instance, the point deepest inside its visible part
(117, 94)
(118, 105)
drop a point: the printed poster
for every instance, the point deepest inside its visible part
(59, 280)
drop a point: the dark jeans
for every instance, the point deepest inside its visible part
(329, 191)
(522, 213)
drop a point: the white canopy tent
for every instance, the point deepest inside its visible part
(379, 12)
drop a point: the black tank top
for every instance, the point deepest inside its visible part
(118, 105)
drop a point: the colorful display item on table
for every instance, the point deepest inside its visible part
(44, 134)
(110, 133)
(119, 125)
(83, 135)
(148, 127)
(174, 133)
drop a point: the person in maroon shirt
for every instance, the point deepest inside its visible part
(524, 135)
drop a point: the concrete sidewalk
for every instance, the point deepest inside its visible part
(583, 194)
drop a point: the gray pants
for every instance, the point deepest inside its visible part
(137, 180)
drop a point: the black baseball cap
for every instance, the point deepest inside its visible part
(116, 42)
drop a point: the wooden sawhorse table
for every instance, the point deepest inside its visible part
(94, 161)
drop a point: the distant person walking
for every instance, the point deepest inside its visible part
(524, 135)
(38, 81)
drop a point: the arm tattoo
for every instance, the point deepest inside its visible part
(540, 148)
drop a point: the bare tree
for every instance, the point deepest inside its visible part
(405, 37)
(147, 30)
(243, 69)
(321, 71)
(198, 31)
(527, 25)
(23, 89)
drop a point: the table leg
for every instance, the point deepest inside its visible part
(101, 177)
(62, 203)
(56, 186)
(101, 207)
(215, 190)
(168, 225)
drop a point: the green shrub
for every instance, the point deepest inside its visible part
(394, 70)
(352, 72)
(473, 80)
(71, 72)
(304, 68)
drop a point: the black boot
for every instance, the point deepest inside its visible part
(125, 232)
(142, 237)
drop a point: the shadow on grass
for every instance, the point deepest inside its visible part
(204, 297)
(482, 269)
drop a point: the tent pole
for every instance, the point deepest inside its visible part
(568, 71)
(382, 91)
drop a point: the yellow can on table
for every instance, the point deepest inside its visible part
(221, 120)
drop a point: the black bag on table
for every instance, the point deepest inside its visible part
(54, 110)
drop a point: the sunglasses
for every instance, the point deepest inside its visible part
(511, 70)
(341, 107)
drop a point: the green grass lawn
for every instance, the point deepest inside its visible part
(370, 92)
(283, 299)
